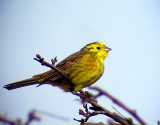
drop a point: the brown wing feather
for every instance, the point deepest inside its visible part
(66, 63)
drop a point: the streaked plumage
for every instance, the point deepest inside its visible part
(83, 68)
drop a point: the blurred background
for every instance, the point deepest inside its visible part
(61, 27)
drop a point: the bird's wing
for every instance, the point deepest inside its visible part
(53, 75)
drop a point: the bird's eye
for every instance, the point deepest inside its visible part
(98, 48)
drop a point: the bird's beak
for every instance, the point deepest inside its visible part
(108, 49)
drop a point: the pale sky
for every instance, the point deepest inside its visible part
(61, 27)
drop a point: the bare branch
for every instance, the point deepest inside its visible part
(3, 119)
(31, 117)
(119, 103)
(98, 109)
(54, 60)
(44, 63)
(53, 67)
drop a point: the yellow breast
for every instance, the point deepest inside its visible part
(85, 71)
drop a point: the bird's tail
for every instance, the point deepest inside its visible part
(23, 83)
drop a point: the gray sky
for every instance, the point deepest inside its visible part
(61, 27)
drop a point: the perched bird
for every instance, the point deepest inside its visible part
(82, 68)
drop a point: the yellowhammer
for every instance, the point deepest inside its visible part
(82, 68)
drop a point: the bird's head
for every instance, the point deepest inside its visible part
(97, 48)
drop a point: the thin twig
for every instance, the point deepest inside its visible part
(31, 117)
(44, 63)
(119, 103)
(98, 109)
(54, 60)
(4, 119)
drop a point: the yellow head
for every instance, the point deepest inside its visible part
(98, 49)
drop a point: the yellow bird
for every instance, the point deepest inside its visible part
(82, 68)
